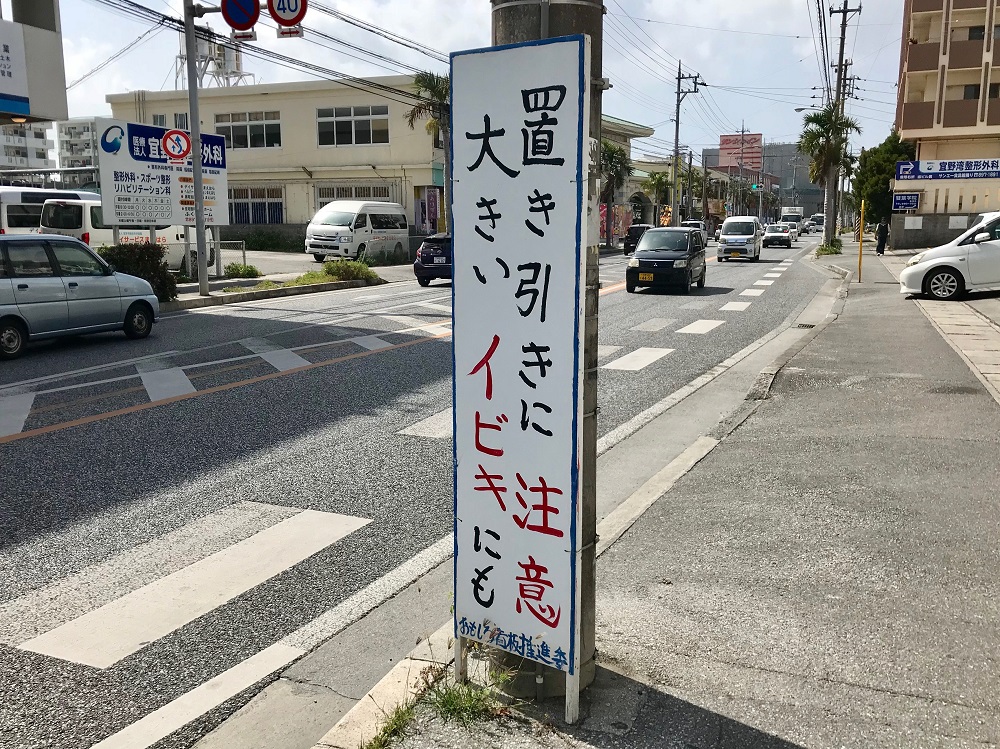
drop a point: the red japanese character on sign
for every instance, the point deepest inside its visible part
(543, 507)
(491, 485)
(496, 452)
(531, 587)
(485, 362)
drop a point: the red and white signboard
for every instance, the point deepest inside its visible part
(745, 148)
(287, 13)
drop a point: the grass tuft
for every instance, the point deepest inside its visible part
(395, 725)
(465, 703)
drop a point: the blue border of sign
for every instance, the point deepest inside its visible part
(577, 456)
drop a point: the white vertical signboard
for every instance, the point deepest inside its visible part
(519, 128)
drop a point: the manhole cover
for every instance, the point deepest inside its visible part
(805, 325)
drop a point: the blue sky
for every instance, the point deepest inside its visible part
(758, 57)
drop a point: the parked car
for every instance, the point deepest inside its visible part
(700, 226)
(793, 229)
(741, 237)
(970, 262)
(53, 286)
(633, 235)
(777, 234)
(666, 257)
(351, 228)
(434, 258)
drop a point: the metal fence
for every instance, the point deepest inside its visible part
(230, 251)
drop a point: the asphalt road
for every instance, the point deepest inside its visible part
(135, 473)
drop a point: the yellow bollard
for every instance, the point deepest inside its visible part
(861, 239)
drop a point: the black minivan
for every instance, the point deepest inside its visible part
(433, 259)
(633, 235)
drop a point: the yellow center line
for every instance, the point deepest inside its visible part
(217, 389)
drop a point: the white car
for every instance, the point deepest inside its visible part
(700, 226)
(793, 229)
(970, 262)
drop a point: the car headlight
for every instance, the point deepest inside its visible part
(680, 263)
(915, 259)
(346, 240)
(750, 241)
(633, 263)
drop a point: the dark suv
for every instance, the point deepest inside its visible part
(433, 259)
(633, 235)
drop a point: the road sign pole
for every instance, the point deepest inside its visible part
(191, 51)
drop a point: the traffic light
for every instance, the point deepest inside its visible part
(757, 187)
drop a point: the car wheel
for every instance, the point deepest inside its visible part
(13, 338)
(755, 258)
(361, 253)
(319, 258)
(701, 280)
(629, 288)
(687, 284)
(138, 320)
(424, 281)
(944, 284)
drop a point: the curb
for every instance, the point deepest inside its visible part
(248, 296)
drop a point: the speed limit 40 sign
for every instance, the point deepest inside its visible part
(287, 12)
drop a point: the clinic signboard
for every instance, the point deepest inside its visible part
(520, 117)
(905, 201)
(147, 175)
(948, 169)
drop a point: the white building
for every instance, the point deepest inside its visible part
(77, 148)
(26, 146)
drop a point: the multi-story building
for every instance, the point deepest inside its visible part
(77, 148)
(786, 173)
(949, 105)
(26, 147)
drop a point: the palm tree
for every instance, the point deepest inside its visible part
(616, 168)
(824, 139)
(436, 93)
(657, 186)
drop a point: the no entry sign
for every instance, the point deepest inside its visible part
(241, 15)
(287, 12)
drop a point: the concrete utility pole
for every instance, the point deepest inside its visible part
(833, 178)
(527, 20)
(689, 201)
(704, 191)
(681, 93)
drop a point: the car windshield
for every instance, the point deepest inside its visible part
(62, 216)
(738, 228)
(334, 218)
(664, 240)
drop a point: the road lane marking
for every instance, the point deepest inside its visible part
(371, 342)
(772, 275)
(46, 608)
(104, 636)
(700, 327)
(87, 370)
(280, 358)
(166, 383)
(605, 351)
(734, 307)
(14, 411)
(653, 325)
(435, 306)
(752, 292)
(438, 426)
(638, 359)
(208, 696)
(762, 283)
(612, 289)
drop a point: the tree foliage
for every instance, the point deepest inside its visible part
(657, 187)
(876, 167)
(616, 168)
(824, 138)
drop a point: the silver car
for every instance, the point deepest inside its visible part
(54, 286)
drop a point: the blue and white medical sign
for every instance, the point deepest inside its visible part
(147, 176)
(905, 201)
(947, 169)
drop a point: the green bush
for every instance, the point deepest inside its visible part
(350, 270)
(238, 270)
(145, 261)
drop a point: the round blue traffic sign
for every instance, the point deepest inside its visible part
(241, 15)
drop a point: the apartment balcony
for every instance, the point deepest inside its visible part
(965, 4)
(961, 113)
(13, 140)
(926, 6)
(13, 162)
(918, 115)
(968, 54)
(921, 57)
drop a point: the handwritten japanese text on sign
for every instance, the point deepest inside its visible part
(147, 177)
(518, 129)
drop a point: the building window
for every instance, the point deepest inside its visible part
(353, 126)
(995, 90)
(972, 91)
(977, 33)
(250, 129)
(41, 154)
(181, 120)
(357, 191)
(159, 120)
(256, 205)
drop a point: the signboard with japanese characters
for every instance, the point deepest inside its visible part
(14, 98)
(519, 132)
(958, 169)
(741, 148)
(147, 177)
(905, 201)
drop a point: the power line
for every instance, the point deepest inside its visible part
(141, 39)
(708, 28)
(379, 31)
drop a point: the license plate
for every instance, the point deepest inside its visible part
(440, 260)
(645, 276)
(734, 254)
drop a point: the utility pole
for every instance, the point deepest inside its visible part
(741, 208)
(833, 178)
(704, 191)
(681, 94)
(527, 20)
(689, 201)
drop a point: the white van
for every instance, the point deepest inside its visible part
(84, 220)
(21, 207)
(741, 236)
(351, 228)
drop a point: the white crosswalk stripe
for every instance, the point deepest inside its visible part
(638, 359)
(371, 342)
(752, 292)
(605, 351)
(762, 283)
(772, 275)
(14, 411)
(700, 327)
(166, 383)
(734, 307)
(651, 326)
(280, 358)
(438, 426)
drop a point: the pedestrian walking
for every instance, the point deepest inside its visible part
(881, 236)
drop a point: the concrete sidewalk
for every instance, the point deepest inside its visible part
(825, 577)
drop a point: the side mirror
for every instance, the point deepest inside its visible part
(983, 236)
(111, 269)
